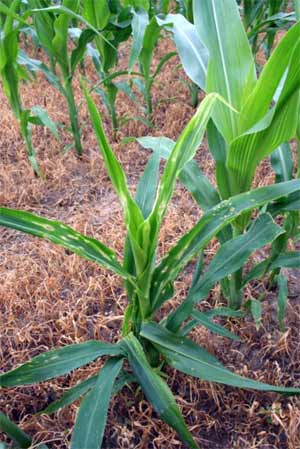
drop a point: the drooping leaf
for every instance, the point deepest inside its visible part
(231, 257)
(284, 260)
(193, 54)
(208, 226)
(57, 362)
(78, 53)
(186, 356)
(62, 235)
(139, 24)
(44, 118)
(201, 319)
(91, 419)
(156, 390)
(81, 388)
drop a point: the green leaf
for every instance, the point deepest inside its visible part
(259, 100)
(231, 257)
(139, 24)
(246, 151)
(218, 148)
(200, 318)
(282, 162)
(133, 215)
(209, 225)
(186, 356)
(151, 36)
(182, 153)
(256, 311)
(57, 362)
(97, 12)
(147, 186)
(91, 419)
(284, 260)
(282, 298)
(44, 26)
(191, 175)
(193, 54)
(60, 39)
(33, 65)
(13, 431)
(145, 4)
(162, 62)
(71, 395)
(45, 119)
(78, 53)
(62, 235)
(156, 390)
(81, 388)
(224, 312)
(73, 15)
(231, 70)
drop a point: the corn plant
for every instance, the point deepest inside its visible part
(146, 32)
(137, 19)
(262, 20)
(114, 21)
(51, 27)
(148, 346)
(12, 72)
(266, 109)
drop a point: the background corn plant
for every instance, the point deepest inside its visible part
(265, 116)
(146, 344)
(12, 72)
(263, 19)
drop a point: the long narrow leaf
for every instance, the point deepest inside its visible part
(91, 419)
(186, 356)
(14, 432)
(231, 66)
(193, 54)
(208, 226)
(81, 388)
(132, 212)
(57, 362)
(62, 235)
(230, 258)
(156, 390)
(191, 175)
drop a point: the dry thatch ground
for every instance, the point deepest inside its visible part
(49, 298)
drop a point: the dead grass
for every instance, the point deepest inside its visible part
(49, 298)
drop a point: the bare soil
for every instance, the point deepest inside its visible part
(50, 298)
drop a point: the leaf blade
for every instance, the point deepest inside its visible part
(58, 362)
(91, 419)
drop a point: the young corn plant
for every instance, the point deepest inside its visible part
(265, 115)
(114, 21)
(146, 31)
(12, 72)
(263, 20)
(146, 345)
(51, 26)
